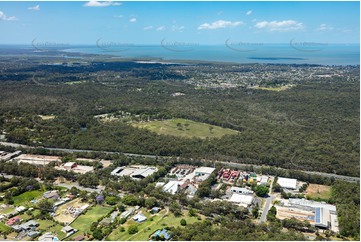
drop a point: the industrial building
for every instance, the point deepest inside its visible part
(241, 199)
(287, 183)
(203, 172)
(322, 215)
(172, 187)
(241, 190)
(37, 160)
(136, 172)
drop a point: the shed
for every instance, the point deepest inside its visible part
(155, 209)
(139, 218)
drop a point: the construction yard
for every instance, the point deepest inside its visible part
(68, 212)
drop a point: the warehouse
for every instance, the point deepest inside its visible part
(287, 183)
(137, 172)
(171, 187)
(241, 190)
(241, 199)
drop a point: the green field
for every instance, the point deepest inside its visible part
(160, 220)
(185, 128)
(83, 222)
(4, 228)
(27, 197)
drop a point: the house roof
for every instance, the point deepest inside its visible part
(139, 217)
(67, 228)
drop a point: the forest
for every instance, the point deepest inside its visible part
(312, 126)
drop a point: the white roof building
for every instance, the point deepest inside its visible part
(201, 171)
(171, 187)
(241, 190)
(312, 204)
(287, 183)
(241, 199)
(264, 180)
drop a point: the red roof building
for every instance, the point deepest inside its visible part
(13, 220)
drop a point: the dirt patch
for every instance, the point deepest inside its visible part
(320, 191)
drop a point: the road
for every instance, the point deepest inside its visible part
(338, 177)
(268, 203)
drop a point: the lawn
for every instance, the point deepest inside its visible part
(83, 222)
(56, 230)
(7, 210)
(185, 128)
(315, 191)
(160, 220)
(27, 197)
(45, 224)
(4, 228)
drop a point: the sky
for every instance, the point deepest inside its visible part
(202, 23)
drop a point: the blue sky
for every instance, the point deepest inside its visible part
(204, 23)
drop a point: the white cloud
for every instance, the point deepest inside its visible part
(101, 4)
(35, 8)
(285, 25)
(133, 20)
(176, 28)
(249, 12)
(220, 24)
(148, 27)
(6, 18)
(324, 27)
(160, 28)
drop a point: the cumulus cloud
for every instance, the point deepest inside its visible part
(35, 8)
(148, 27)
(220, 24)
(160, 28)
(285, 25)
(324, 27)
(133, 20)
(101, 4)
(249, 12)
(6, 18)
(176, 28)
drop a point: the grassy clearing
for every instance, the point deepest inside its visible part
(47, 117)
(145, 229)
(316, 191)
(275, 89)
(185, 128)
(26, 197)
(83, 222)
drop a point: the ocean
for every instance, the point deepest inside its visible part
(292, 53)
